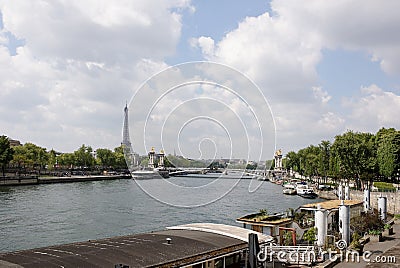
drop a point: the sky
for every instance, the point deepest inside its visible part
(317, 69)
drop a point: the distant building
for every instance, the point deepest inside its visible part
(278, 160)
(14, 143)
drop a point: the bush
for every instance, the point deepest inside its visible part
(310, 235)
(374, 232)
(387, 226)
(366, 222)
(355, 243)
(385, 186)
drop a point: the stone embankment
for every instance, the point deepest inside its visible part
(47, 180)
(393, 198)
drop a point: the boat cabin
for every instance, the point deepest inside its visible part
(266, 224)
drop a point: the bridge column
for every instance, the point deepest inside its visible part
(151, 158)
(161, 156)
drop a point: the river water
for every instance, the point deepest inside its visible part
(44, 215)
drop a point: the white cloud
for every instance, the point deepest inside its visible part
(206, 44)
(369, 26)
(331, 123)
(112, 32)
(375, 108)
(281, 51)
(321, 95)
(81, 61)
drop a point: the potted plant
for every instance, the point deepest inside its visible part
(375, 235)
(356, 244)
(388, 229)
(310, 235)
(397, 217)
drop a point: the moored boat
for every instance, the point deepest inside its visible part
(304, 191)
(144, 174)
(149, 173)
(289, 189)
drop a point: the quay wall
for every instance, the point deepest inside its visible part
(47, 180)
(393, 199)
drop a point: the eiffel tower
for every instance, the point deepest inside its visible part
(130, 156)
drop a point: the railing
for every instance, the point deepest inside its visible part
(290, 254)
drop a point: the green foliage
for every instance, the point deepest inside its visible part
(324, 157)
(105, 157)
(251, 166)
(366, 222)
(287, 238)
(356, 154)
(388, 151)
(355, 242)
(384, 186)
(119, 158)
(352, 155)
(66, 160)
(180, 161)
(374, 232)
(292, 161)
(52, 159)
(310, 161)
(269, 164)
(30, 156)
(310, 235)
(264, 212)
(397, 216)
(6, 152)
(84, 156)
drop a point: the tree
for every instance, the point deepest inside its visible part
(120, 158)
(6, 153)
(292, 161)
(84, 157)
(251, 166)
(105, 157)
(324, 157)
(66, 160)
(30, 156)
(20, 157)
(36, 155)
(309, 160)
(388, 151)
(310, 235)
(52, 159)
(355, 155)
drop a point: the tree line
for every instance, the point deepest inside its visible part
(352, 155)
(31, 157)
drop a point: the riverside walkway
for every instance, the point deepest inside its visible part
(67, 179)
(384, 254)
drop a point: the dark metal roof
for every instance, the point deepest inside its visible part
(140, 250)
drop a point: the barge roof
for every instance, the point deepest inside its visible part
(332, 204)
(188, 244)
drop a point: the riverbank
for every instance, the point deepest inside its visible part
(382, 254)
(47, 180)
(393, 198)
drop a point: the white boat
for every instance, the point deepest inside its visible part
(149, 173)
(145, 174)
(304, 191)
(289, 189)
